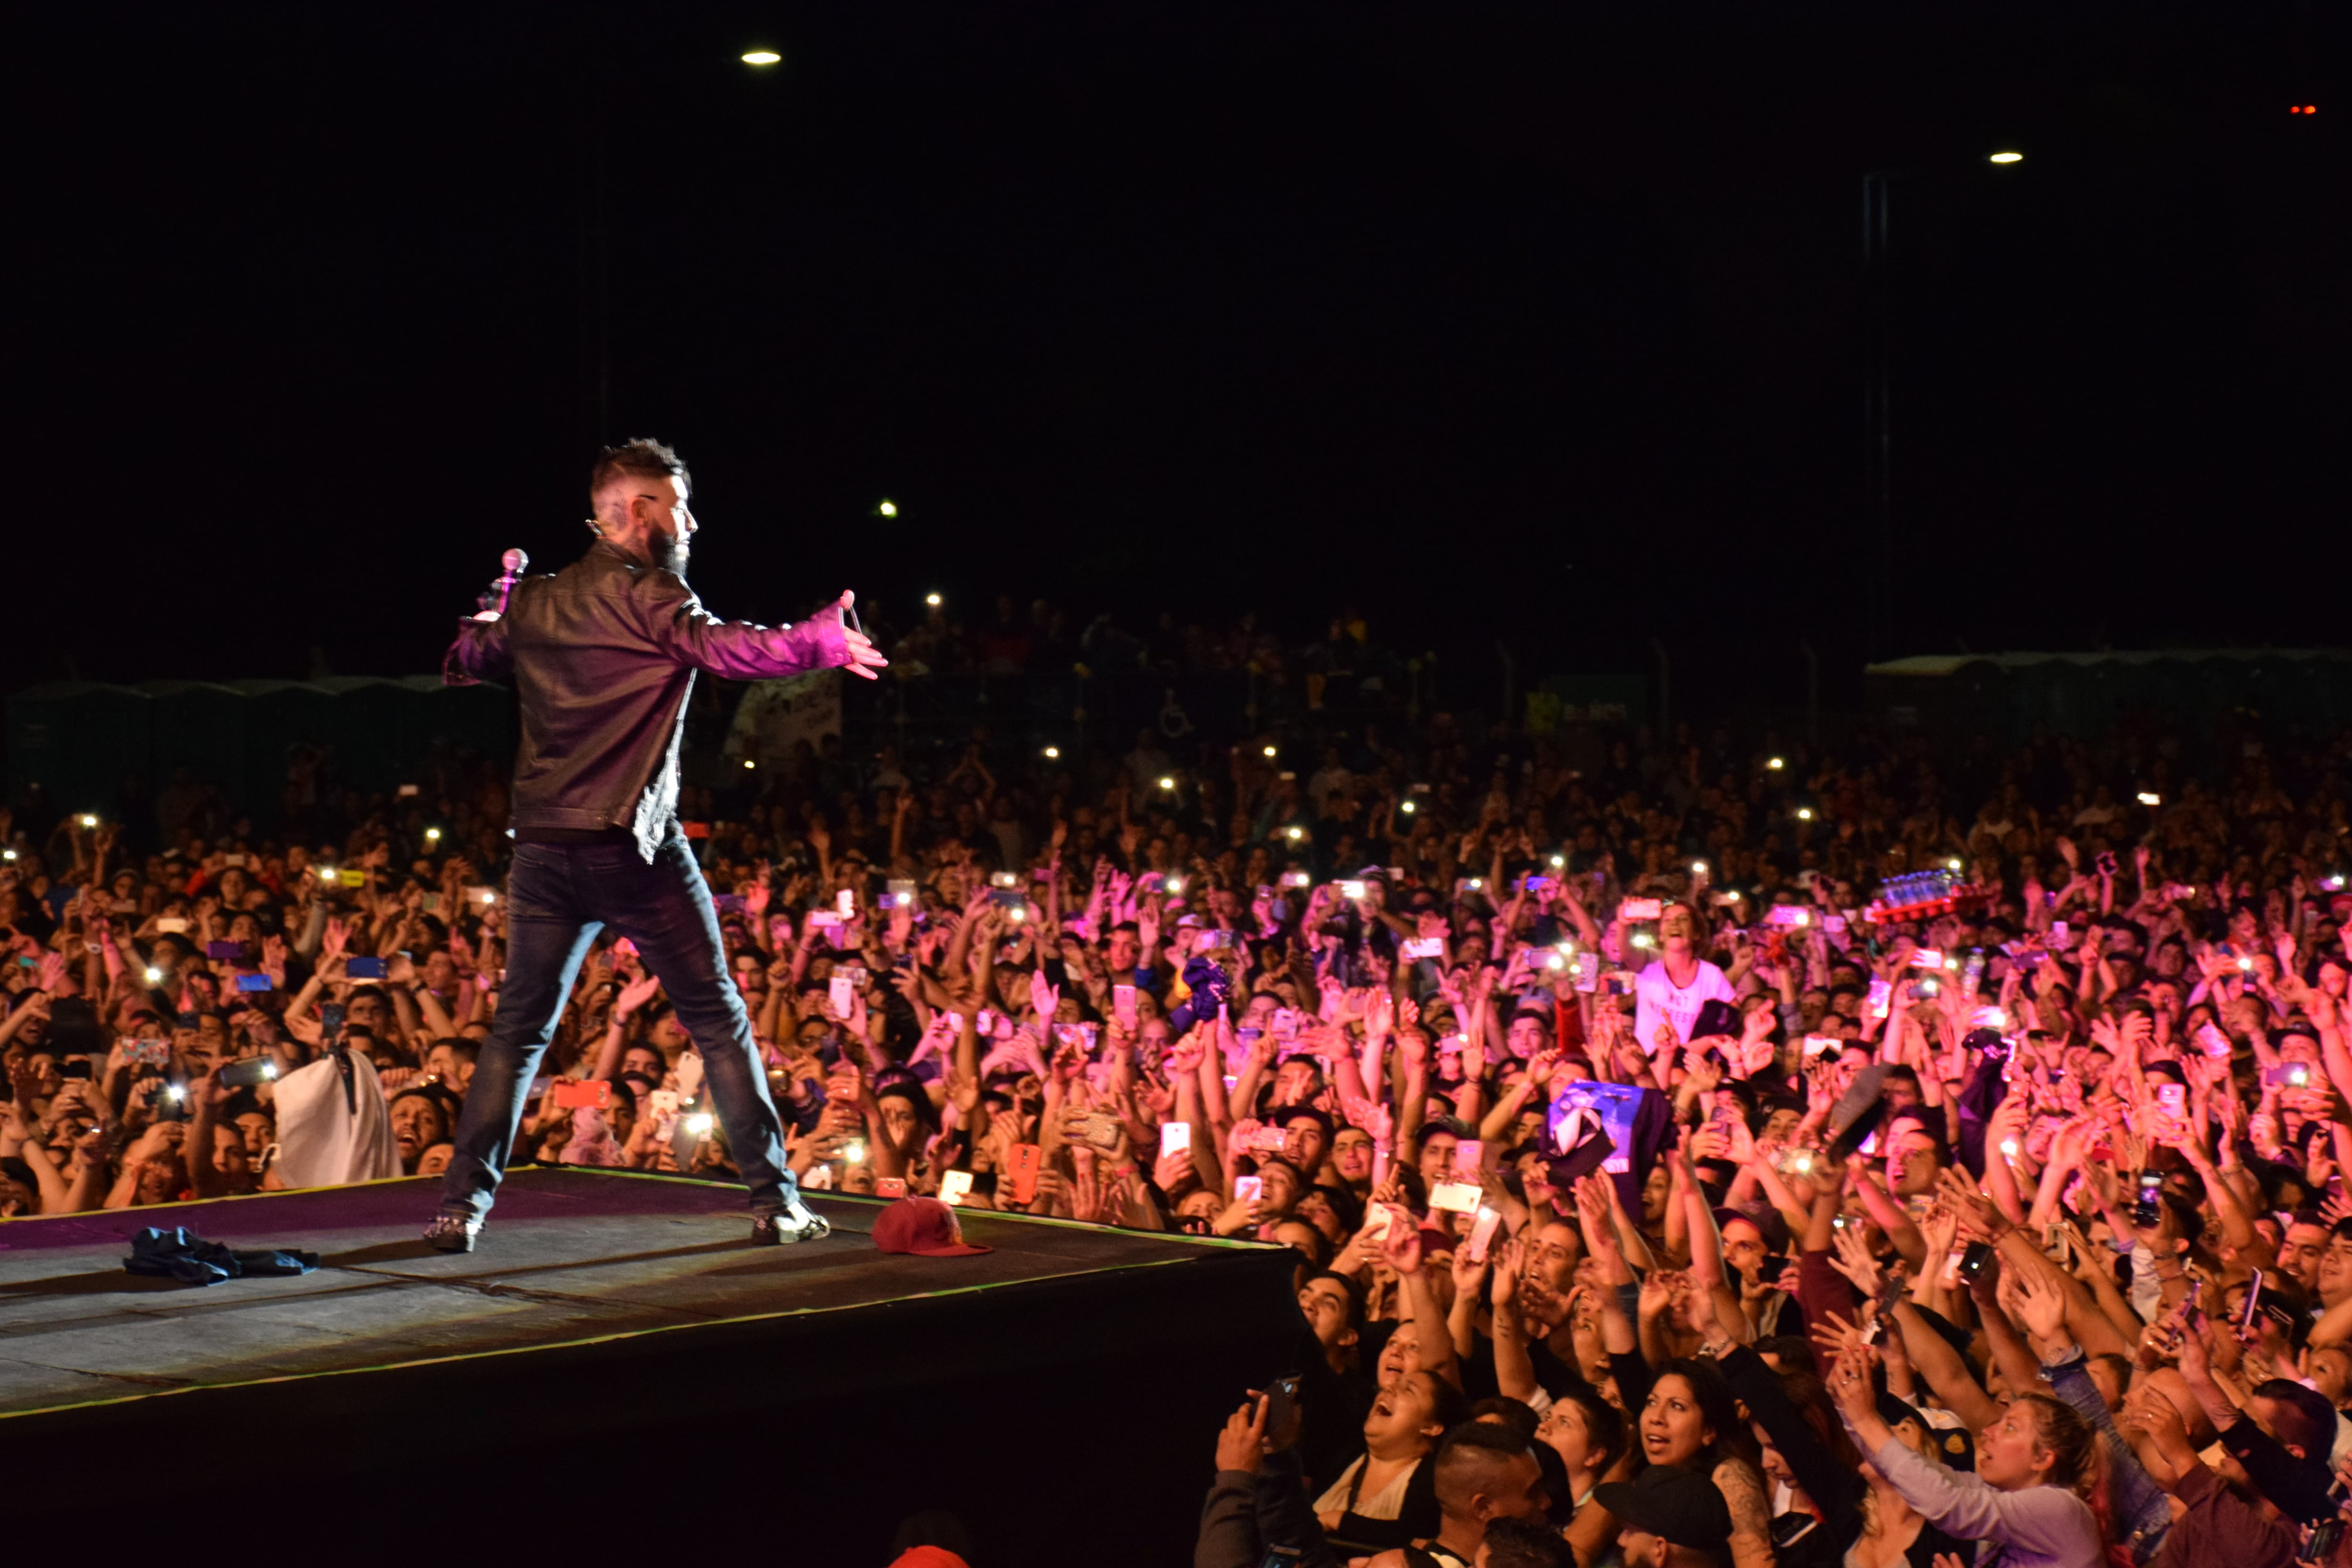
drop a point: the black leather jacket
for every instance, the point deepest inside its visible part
(602, 657)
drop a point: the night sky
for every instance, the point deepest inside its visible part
(1540, 322)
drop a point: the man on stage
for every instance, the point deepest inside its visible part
(602, 656)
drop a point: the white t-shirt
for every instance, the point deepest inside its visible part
(322, 1142)
(1657, 999)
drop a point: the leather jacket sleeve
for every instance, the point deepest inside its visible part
(479, 653)
(675, 622)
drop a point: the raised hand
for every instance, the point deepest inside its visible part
(864, 659)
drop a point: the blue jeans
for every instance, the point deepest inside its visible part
(559, 896)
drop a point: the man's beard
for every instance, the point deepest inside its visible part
(670, 552)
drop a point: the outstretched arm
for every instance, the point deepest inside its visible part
(743, 650)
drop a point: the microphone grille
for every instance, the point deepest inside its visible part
(515, 560)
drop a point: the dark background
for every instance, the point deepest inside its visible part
(1532, 322)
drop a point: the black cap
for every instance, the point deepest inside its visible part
(1715, 1017)
(1582, 1145)
(1674, 1505)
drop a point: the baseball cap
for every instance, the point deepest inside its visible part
(1716, 1017)
(925, 1228)
(1674, 1505)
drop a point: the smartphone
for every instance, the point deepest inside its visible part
(1378, 1224)
(2172, 1098)
(149, 1053)
(890, 1187)
(1641, 908)
(1097, 1129)
(1787, 915)
(1456, 1197)
(406, 791)
(171, 925)
(1027, 1160)
(1352, 890)
(2148, 1206)
(1010, 899)
(1265, 1140)
(250, 1073)
(1927, 958)
(256, 983)
(363, 968)
(1816, 1044)
(2253, 1302)
(842, 992)
(331, 1019)
(1214, 939)
(2288, 1075)
(1175, 1138)
(1281, 1403)
(954, 1187)
(2212, 1041)
(1482, 1234)
(1122, 1006)
(1466, 1155)
(1296, 879)
(1248, 1189)
(1973, 1262)
(845, 903)
(571, 1093)
(229, 951)
(1881, 994)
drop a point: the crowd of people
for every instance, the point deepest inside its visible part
(1662, 1193)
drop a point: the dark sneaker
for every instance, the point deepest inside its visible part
(452, 1232)
(773, 1228)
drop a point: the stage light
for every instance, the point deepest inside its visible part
(762, 58)
(1167, 783)
(433, 835)
(1954, 863)
(888, 508)
(1053, 753)
(2149, 798)
(2007, 158)
(1775, 763)
(1805, 813)
(1269, 751)
(932, 600)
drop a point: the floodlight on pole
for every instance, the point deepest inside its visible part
(761, 57)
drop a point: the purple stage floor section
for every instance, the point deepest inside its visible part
(284, 1218)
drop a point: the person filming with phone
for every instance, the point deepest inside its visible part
(602, 657)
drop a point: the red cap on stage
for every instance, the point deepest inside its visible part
(924, 1227)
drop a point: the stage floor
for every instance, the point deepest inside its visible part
(570, 1258)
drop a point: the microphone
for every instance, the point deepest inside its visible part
(493, 600)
